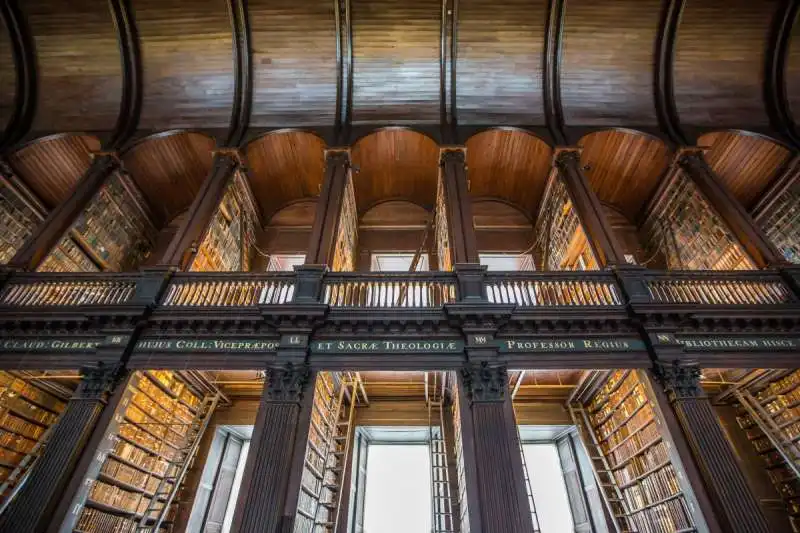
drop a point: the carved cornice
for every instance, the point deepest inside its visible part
(679, 381)
(485, 382)
(97, 382)
(286, 383)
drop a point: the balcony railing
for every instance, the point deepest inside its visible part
(718, 288)
(228, 289)
(63, 290)
(547, 289)
(412, 289)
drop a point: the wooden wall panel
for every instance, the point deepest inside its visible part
(607, 62)
(52, 166)
(78, 65)
(169, 170)
(745, 163)
(395, 163)
(793, 73)
(500, 61)
(8, 77)
(187, 56)
(396, 60)
(719, 62)
(509, 165)
(284, 167)
(294, 62)
(624, 168)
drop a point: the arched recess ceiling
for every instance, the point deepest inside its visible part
(607, 62)
(187, 59)
(396, 60)
(78, 65)
(8, 78)
(285, 167)
(719, 62)
(500, 61)
(745, 163)
(294, 62)
(624, 168)
(510, 165)
(169, 169)
(395, 163)
(52, 166)
(792, 73)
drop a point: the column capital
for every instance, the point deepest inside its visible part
(452, 154)
(679, 381)
(565, 155)
(98, 382)
(338, 156)
(286, 383)
(485, 382)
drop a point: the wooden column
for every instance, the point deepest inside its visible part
(749, 234)
(735, 507)
(329, 208)
(459, 206)
(47, 235)
(605, 247)
(271, 480)
(32, 510)
(502, 498)
(184, 244)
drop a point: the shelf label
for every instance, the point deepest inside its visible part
(556, 345)
(378, 346)
(705, 343)
(21, 344)
(207, 345)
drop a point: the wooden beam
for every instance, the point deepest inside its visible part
(243, 72)
(344, 71)
(664, 79)
(329, 208)
(132, 92)
(554, 114)
(776, 52)
(23, 48)
(459, 206)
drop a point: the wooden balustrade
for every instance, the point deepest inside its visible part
(47, 290)
(539, 289)
(418, 289)
(228, 290)
(719, 288)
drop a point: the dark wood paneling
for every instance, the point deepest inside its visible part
(607, 62)
(187, 55)
(294, 62)
(395, 163)
(396, 47)
(78, 65)
(284, 167)
(169, 170)
(499, 61)
(52, 166)
(510, 165)
(792, 73)
(719, 62)
(745, 163)
(623, 167)
(8, 77)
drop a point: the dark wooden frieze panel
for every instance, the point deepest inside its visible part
(607, 63)
(396, 46)
(52, 166)
(78, 65)
(745, 163)
(283, 168)
(169, 170)
(499, 62)
(187, 57)
(395, 163)
(624, 168)
(8, 77)
(792, 73)
(509, 165)
(719, 62)
(294, 62)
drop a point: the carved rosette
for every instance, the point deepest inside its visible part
(679, 381)
(97, 382)
(485, 382)
(286, 383)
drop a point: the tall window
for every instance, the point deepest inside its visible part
(397, 262)
(284, 262)
(507, 262)
(548, 487)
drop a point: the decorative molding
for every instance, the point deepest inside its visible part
(777, 50)
(456, 156)
(554, 34)
(664, 79)
(23, 47)
(243, 72)
(132, 77)
(97, 382)
(485, 382)
(286, 383)
(679, 381)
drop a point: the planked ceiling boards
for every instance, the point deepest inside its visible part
(745, 163)
(544, 384)
(53, 165)
(607, 62)
(78, 65)
(624, 168)
(510, 165)
(187, 59)
(169, 169)
(285, 167)
(499, 63)
(294, 62)
(719, 62)
(386, 384)
(395, 163)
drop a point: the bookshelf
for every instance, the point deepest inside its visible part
(781, 222)
(643, 488)
(27, 412)
(139, 465)
(442, 229)
(67, 256)
(346, 232)
(18, 220)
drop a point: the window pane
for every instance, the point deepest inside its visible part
(397, 262)
(285, 262)
(506, 262)
(547, 485)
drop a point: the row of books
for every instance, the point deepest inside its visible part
(651, 489)
(96, 520)
(643, 415)
(320, 434)
(631, 447)
(654, 457)
(130, 475)
(17, 222)
(625, 396)
(669, 517)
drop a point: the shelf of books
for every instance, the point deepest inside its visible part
(346, 243)
(770, 417)
(27, 413)
(19, 218)
(442, 229)
(780, 220)
(139, 464)
(637, 467)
